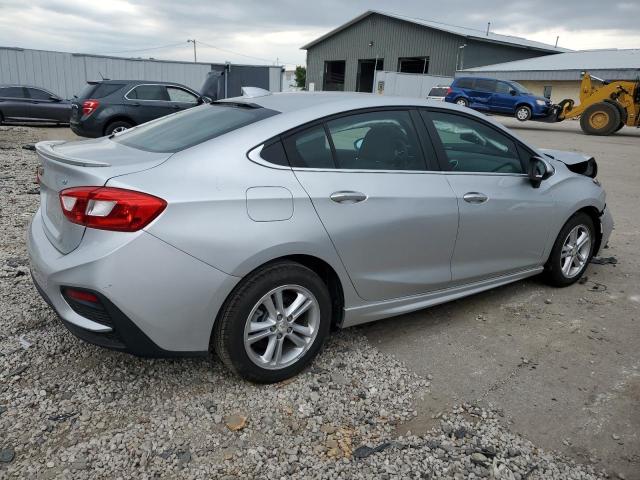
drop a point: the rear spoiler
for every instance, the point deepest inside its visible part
(46, 150)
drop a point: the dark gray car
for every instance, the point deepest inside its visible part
(112, 106)
(26, 104)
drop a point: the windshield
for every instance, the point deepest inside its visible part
(191, 127)
(519, 87)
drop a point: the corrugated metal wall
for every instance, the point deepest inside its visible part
(67, 73)
(394, 38)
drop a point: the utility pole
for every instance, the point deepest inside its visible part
(195, 58)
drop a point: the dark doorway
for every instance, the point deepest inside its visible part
(413, 65)
(333, 76)
(366, 69)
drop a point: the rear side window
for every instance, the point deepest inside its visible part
(181, 95)
(190, 127)
(149, 92)
(438, 92)
(464, 83)
(485, 85)
(12, 92)
(310, 149)
(273, 152)
(106, 89)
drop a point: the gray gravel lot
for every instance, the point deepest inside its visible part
(72, 410)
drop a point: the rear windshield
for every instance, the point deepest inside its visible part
(191, 127)
(86, 91)
(100, 90)
(438, 92)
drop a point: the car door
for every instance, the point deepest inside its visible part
(14, 104)
(46, 107)
(392, 220)
(503, 100)
(481, 93)
(504, 221)
(181, 98)
(147, 102)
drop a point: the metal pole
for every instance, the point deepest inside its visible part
(195, 58)
(557, 38)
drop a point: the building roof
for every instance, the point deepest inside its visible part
(472, 33)
(612, 63)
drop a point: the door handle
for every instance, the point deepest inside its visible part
(348, 197)
(475, 197)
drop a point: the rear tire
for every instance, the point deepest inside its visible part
(523, 113)
(263, 305)
(463, 102)
(601, 118)
(572, 251)
(117, 126)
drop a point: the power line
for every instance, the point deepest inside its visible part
(242, 54)
(144, 49)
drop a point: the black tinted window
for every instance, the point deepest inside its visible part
(149, 92)
(87, 91)
(438, 92)
(485, 85)
(190, 127)
(384, 140)
(503, 87)
(310, 149)
(471, 146)
(12, 92)
(105, 89)
(274, 153)
(38, 94)
(464, 83)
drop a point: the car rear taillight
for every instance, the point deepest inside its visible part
(108, 208)
(449, 90)
(89, 106)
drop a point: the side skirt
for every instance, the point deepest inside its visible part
(398, 306)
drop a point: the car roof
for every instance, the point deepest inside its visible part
(288, 102)
(126, 82)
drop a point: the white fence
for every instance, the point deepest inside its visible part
(407, 84)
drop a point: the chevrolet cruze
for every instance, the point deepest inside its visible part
(252, 226)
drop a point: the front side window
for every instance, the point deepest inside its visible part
(180, 95)
(149, 92)
(471, 146)
(310, 149)
(38, 94)
(503, 88)
(190, 127)
(12, 92)
(384, 140)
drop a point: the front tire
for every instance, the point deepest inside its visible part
(601, 118)
(572, 251)
(273, 323)
(523, 113)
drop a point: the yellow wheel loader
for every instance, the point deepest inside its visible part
(603, 109)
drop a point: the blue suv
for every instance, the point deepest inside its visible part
(498, 96)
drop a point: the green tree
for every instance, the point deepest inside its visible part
(301, 76)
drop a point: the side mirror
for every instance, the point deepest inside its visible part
(539, 170)
(513, 92)
(204, 99)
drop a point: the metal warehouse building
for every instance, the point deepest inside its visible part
(66, 73)
(558, 77)
(346, 57)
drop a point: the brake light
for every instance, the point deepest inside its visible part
(108, 208)
(89, 106)
(449, 90)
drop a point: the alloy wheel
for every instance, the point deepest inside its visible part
(575, 251)
(281, 327)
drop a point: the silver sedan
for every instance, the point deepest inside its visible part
(252, 226)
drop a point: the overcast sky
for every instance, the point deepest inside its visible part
(269, 30)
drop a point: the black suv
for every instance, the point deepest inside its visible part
(111, 106)
(24, 103)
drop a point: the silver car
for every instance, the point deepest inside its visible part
(252, 226)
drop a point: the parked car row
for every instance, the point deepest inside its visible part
(102, 108)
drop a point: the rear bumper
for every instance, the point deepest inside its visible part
(160, 301)
(88, 129)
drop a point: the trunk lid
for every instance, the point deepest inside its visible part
(82, 163)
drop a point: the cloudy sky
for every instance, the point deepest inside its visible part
(263, 31)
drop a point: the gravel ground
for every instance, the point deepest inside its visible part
(72, 410)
